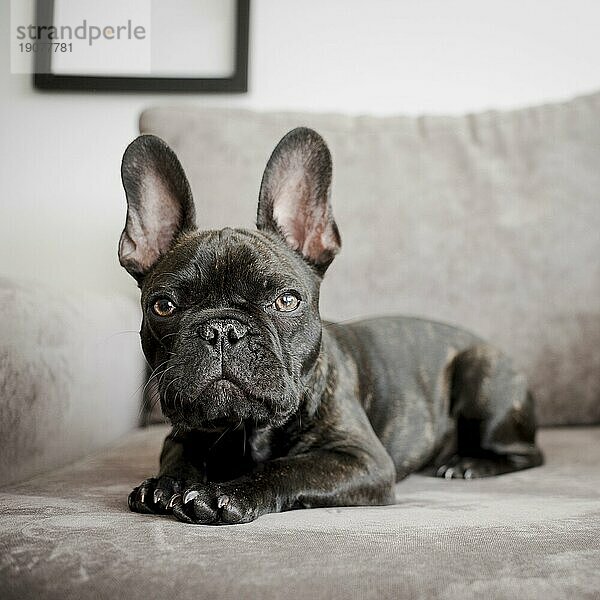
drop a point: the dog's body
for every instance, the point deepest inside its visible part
(272, 409)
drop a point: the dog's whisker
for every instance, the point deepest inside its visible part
(162, 375)
(124, 332)
(220, 438)
(144, 384)
(164, 337)
(171, 383)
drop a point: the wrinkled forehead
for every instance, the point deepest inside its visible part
(231, 260)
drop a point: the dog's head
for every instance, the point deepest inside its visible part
(231, 321)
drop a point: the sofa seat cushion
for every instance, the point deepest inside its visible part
(533, 534)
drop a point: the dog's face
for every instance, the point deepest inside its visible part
(231, 321)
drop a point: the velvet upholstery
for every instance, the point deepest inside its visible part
(532, 534)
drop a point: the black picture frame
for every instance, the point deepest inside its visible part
(44, 79)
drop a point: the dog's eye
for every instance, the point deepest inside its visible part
(287, 302)
(163, 307)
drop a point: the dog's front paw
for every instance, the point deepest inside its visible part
(219, 504)
(155, 495)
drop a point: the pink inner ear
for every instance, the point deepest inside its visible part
(320, 240)
(290, 208)
(151, 229)
(162, 213)
(302, 218)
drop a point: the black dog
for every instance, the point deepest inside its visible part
(272, 409)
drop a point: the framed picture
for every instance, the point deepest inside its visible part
(141, 45)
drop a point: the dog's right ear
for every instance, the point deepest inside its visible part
(159, 204)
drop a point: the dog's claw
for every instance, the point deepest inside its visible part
(190, 495)
(222, 501)
(152, 494)
(174, 499)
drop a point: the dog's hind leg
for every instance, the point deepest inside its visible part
(495, 422)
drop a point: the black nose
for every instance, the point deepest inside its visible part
(222, 331)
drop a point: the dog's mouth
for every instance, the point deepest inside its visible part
(223, 403)
(220, 404)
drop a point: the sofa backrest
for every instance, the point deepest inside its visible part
(489, 221)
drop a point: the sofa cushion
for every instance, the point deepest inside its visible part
(70, 374)
(489, 221)
(532, 534)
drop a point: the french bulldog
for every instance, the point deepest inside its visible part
(273, 409)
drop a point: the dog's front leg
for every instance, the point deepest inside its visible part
(319, 478)
(157, 495)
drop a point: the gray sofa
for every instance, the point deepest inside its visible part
(490, 221)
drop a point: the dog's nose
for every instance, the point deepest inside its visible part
(220, 331)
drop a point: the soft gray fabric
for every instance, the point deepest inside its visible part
(533, 534)
(70, 374)
(489, 221)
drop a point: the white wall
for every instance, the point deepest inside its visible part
(62, 208)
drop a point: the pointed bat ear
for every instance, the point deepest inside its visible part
(159, 204)
(294, 200)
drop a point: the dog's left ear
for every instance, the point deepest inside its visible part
(294, 199)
